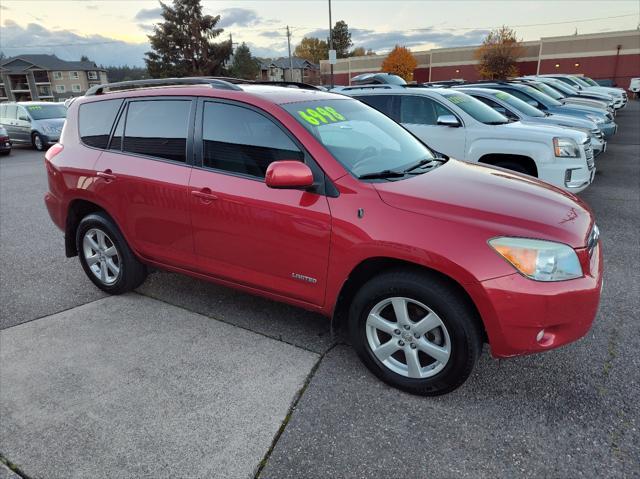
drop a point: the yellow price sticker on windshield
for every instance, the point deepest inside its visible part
(456, 100)
(321, 115)
(34, 107)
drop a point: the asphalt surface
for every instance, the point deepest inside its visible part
(573, 412)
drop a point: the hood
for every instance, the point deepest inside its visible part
(51, 122)
(604, 89)
(570, 121)
(526, 131)
(502, 202)
(581, 109)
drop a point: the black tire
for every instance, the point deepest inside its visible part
(132, 272)
(38, 142)
(514, 166)
(461, 322)
(5, 153)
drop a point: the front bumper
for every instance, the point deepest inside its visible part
(608, 129)
(599, 145)
(50, 139)
(522, 316)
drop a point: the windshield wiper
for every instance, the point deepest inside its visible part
(424, 162)
(496, 122)
(381, 175)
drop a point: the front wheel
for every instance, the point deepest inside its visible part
(105, 256)
(415, 332)
(37, 142)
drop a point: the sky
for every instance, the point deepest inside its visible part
(114, 32)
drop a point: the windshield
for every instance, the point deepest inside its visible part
(475, 108)
(563, 87)
(541, 97)
(589, 81)
(581, 82)
(518, 104)
(46, 112)
(552, 92)
(361, 138)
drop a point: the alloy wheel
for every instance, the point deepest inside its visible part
(101, 255)
(408, 338)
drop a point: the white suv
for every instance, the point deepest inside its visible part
(457, 125)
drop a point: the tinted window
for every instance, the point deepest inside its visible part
(243, 141)
(553, 93)
(477, 110)
(518, 104)
(3, 111)
(95, 121)
(420, 110)
(381, 103)
(11, 112)
(116, 139)
(158, 128)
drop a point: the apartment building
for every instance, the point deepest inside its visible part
(280, 70)
(46, 78)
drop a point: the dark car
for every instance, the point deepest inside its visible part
(5, 142)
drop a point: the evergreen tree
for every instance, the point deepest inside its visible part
(244, 65)
(341, 39)
(182, 44)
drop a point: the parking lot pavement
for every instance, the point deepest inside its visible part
(573, 412)
(137, 386)
(130, 387)
(36, 279)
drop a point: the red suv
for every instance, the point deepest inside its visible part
(320, 201)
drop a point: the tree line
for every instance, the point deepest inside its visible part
(183, 44)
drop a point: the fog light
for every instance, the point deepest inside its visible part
(567, 177)
(540, 335)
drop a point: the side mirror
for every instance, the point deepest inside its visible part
(24, 118)
(533, 103)
(448, 120)
(501, 109)
(289, 174)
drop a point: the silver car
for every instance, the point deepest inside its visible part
(518, 110)
(32, 122)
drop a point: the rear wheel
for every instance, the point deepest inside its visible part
(105, 256)
(415, 332)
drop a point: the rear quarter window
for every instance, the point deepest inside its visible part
(95, 120)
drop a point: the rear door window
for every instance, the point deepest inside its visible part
(11, 112)
(382, 103)
(95, 121)
(158, 128)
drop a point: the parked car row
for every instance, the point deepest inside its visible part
(321, 201)
(537, 126)
(38, 124)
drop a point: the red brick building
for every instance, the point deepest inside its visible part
(611, 55)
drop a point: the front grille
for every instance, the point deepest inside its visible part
(588, 152)
(597, 133)
(609, 117)
(593, 238)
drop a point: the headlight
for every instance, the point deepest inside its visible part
(539, 260)
(566, 147)
(597, 119)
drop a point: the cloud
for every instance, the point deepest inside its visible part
(272, 34)
(240, 17)
(69, 45)
(147, 27)
(385, 41)
(149, 14)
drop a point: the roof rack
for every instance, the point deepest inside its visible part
(137, 84)
(375, 86)
(290, 84)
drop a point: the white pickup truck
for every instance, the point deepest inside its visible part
(459, 126)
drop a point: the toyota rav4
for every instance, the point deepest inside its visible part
(320, 201)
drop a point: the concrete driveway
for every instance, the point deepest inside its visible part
(188, 379)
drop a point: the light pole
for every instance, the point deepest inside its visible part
(330, 42)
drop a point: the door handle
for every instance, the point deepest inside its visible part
(107, 175)
(205, 195)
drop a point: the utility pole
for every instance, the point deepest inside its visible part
(331, 41)
(290, 59)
